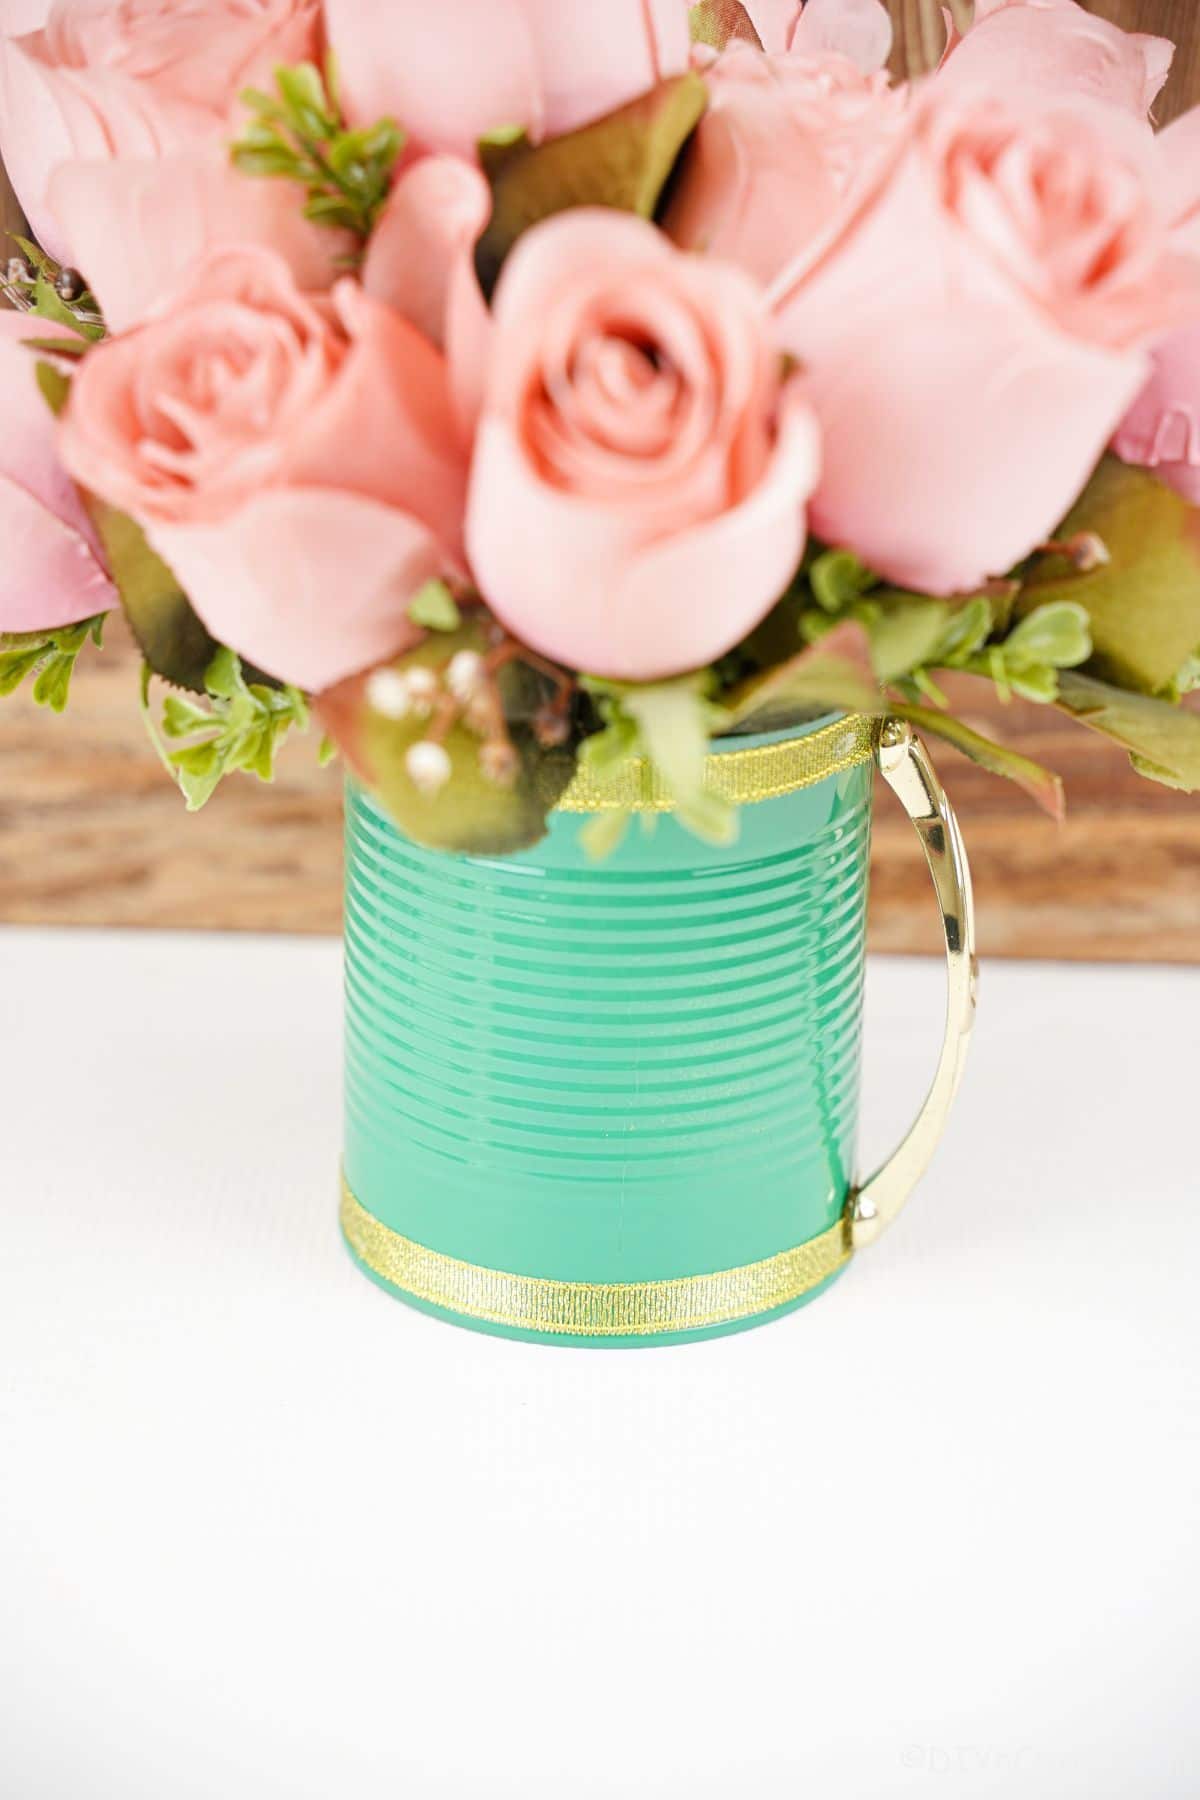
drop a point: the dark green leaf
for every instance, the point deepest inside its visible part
(622, 161)
(172, 638)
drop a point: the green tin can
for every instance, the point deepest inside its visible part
(617, 1102)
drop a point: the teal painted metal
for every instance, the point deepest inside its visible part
(626, 1071)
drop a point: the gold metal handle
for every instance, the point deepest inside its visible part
(906, 768)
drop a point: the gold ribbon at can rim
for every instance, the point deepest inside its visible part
(608, 1309)
(740, 777)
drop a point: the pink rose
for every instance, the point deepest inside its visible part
(973, 338)
(296, 461)
(1162, 429)
(788, 147)
(115, 121)
(637, 495)
(860, 30)
(455, 71)
(51, 572)
(1020, 46)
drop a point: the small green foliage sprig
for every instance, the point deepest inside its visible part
(241, 728)
(49, 656)
(912, 635)
(669, 723)
(299, 134)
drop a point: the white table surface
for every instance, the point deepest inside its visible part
(265, 1532)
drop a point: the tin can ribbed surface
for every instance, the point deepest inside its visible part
(634, 1070)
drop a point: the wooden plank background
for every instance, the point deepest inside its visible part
(92, 833)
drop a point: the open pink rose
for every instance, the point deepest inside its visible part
(297, 462)
(637, 495)
(115, 122)
(453, 72)
(51, 572)
(787, 148)
(1054, 46)
(860, 30)
(965, 398)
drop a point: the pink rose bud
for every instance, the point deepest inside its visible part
(51, 569)
(637, 496)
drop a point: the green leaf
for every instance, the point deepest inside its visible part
(50, 657)
(906, 632)
(1163, 739)
(172, 638)
(622, 161)
(837, 579)
(1144, 603)
(470, 814)
(75, 348)
(54, 386)
(303, 93)
(967, 630)
(832, 675)
(301, 136)
(675, 721)
(1054, 636)
(240, 731)
(47, 305)
(434, 608)
(718, 23)
(273, 161)
(604, 833)
(1042, 785)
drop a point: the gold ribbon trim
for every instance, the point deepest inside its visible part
(741, 777)
(584, 1308)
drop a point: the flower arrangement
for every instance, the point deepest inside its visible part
(539, 385)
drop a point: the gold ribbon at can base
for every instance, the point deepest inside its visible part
(740, 777)
(584, 1308)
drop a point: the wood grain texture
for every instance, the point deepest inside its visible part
(92, 832)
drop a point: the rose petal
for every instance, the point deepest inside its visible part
(1162, 429)
(391, 396)
(307, 584)
(49, 575)
(421, 261)
(1021, 46)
